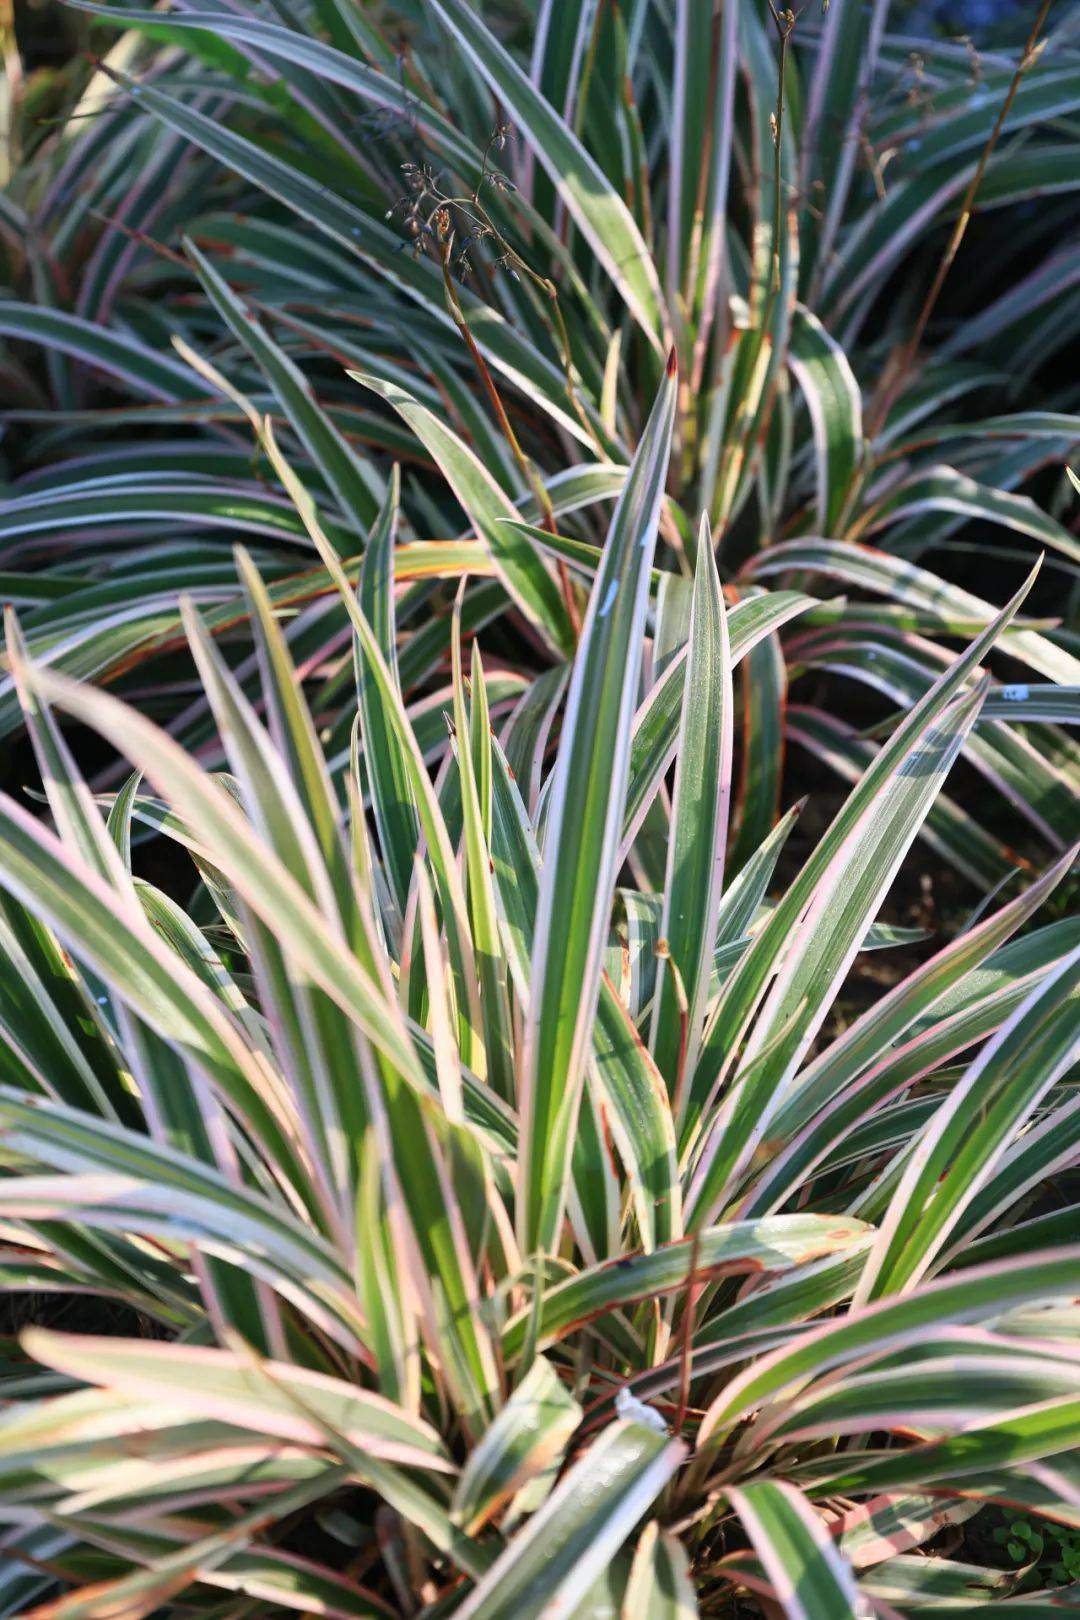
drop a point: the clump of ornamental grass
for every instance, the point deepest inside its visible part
(456, 1176)
(511, 1239)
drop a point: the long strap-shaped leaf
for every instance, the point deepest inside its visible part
(695, 863)
(473, 730)
(639, 1113)
(908, 743)
(912, 587)
(96, 926)
(660, 1584)
(526, 575)
(835, 1091)
(1041, 1152)
(834, 403)
(823, 944)
(396, 724)
(980, 1294)
(958, 1377)
(387, 776)
(302, 57)
(165, 1189)
(740, 1247)
(410, 1140)
(656, 724)
(835, 108)
(1042, 1429)
(811, 1579)
(527, 1438)
(355, 484)
(175, 1101)
(550, 1564)
(943, 489)
(587, 796)
(973, 1127)
(287, 797)
(146, 1212)
(146, 371)
(256, 873)
(231, 1386)
(148, 1590)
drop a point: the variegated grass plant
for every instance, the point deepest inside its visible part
(490, 1202)
(521, 1245)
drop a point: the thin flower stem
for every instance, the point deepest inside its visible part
(896, 373)
(785, 23)
(528, 472)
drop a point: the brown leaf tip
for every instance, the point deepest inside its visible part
(672, 362)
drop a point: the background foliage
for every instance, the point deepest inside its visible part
(473, 1139)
